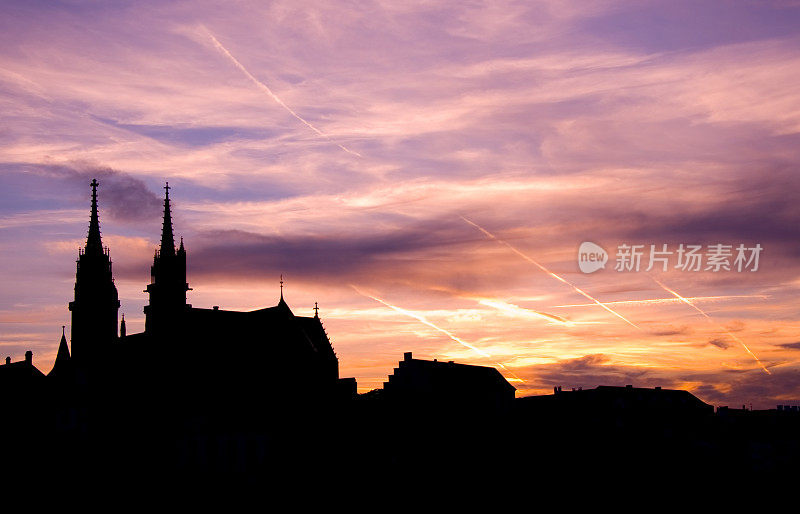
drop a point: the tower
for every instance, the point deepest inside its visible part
(96, 304)
(168, 286)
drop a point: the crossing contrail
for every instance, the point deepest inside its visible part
(666, 300)
(423, 320)
(576, 288)
(263, 87)
(708, 318)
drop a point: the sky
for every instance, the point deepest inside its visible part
(426, 172)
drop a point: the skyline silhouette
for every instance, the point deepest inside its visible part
(182, 331)
(95, 250)
(343, 146)
(119, 405)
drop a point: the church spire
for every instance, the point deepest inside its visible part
(282, 302)
(63, 349)
(94, 309)
(94, 246)
(62, 366)
(168, 285)
(167, 239)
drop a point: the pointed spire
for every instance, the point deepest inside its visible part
(167, 239)
(181, 249)
(122, 330)
(94, 245)
(63, 349)
(282, 302)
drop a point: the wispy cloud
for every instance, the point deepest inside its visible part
(269, 92)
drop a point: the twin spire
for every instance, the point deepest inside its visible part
(94, 243)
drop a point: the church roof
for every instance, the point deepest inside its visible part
(217, 325)
(316, 332)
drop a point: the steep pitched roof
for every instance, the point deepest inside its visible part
(62, 358)
(316, 333)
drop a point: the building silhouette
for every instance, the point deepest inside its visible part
(191, 382)
(244, 355)
(673, 403)
(448, 385)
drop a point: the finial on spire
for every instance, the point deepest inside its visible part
(122, 329)
(316, 310)
(281, 286)
(63, 331)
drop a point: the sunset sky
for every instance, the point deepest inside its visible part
(348, 146)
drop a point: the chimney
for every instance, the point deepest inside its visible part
(407, 356)
(216, 307)
(8, 360)
(29, 357)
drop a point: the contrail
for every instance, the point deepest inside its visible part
(421, 319)
(708, 318)
(224, 51)
(516, 310)
(576, 288)
(666, 300)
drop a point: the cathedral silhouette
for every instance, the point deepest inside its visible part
(244, 352)
(172, 396)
